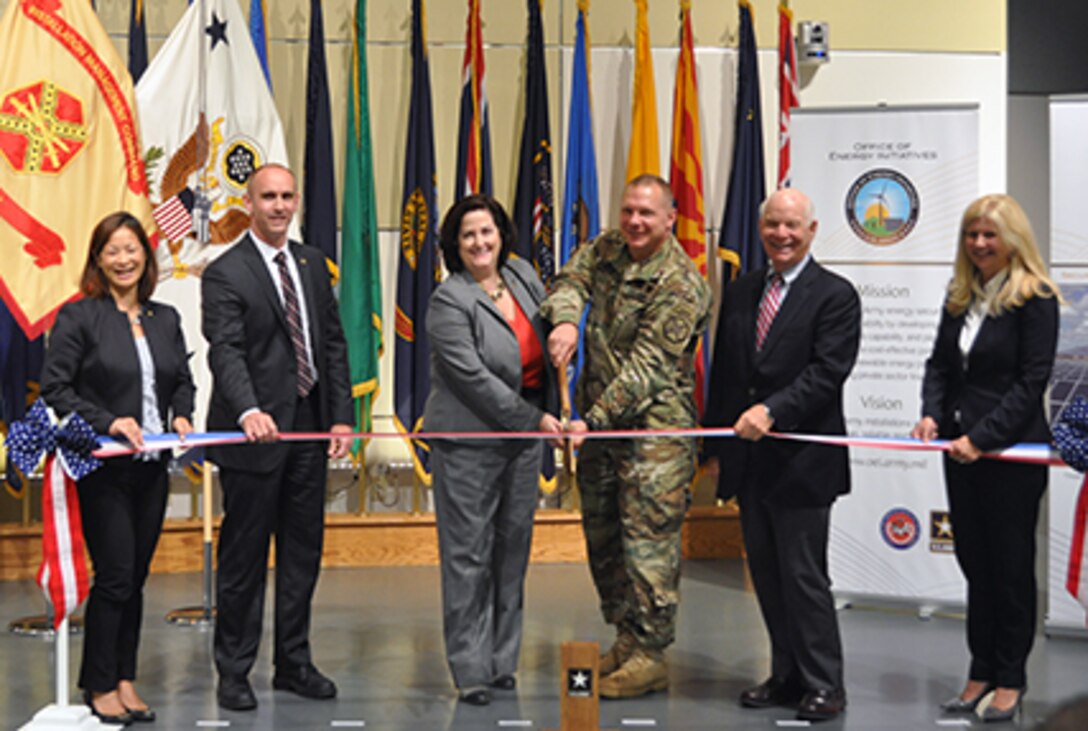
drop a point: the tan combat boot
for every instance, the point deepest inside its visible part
(643, 672)
(619, 652)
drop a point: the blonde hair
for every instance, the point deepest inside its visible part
(1027, 273)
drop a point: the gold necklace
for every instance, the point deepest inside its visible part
(497, 294)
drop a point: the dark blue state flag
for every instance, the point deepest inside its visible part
(20, 381)
(417, 268)
(137, 41)
(318, 185)
(739, 246)
(533, 207)
(581, 204)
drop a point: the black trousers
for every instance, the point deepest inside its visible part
(122, 506)
(787, 557)
(287, 501)
(994, 508)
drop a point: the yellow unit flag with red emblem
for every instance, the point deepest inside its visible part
(69, 151)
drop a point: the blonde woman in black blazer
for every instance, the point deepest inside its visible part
(984, 390)
(97, 365)
(485, 492)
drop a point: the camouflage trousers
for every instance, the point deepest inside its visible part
(634, 497)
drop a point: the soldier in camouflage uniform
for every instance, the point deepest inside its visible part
(648, 306)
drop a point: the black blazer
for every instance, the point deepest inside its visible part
(996, 396)
(91, 366)
(799, 374)
(250, 352)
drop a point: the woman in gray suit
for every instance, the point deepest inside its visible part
(488, 373)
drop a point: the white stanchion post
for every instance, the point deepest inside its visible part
(60, 716)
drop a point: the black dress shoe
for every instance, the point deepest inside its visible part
(235, 694)
(120, 719)
(141, 715)
(822, 705)
(305, 680)
(771, 692)
(958, 705)
(475, 696)
(504, 682)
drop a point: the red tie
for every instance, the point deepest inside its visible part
(294, 325)
(768, 308)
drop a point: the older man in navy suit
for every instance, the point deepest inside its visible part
(787, 339)
(279, 362)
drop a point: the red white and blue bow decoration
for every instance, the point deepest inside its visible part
(1071, 438)
(67, 447)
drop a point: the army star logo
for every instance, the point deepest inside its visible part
(579, 682)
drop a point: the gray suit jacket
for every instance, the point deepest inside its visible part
(475, 359)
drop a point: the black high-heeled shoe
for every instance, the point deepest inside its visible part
(123, 719)
(996, 715)
(957, 704)
(141, 715)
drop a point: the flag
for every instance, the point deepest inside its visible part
(417, 267)
(686, 173)
(318, 186)
(203, 136)
(1077, 578)
(533, 202)
(20, 382)
(258, 31)
(581, 207)
(137, 41)
(739, 245)
(361, 285)
(474, 132)
(788, 90)
(643, 156)
(70, 151)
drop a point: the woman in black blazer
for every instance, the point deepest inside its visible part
(984, 390)
(489, 372)
(119, 360)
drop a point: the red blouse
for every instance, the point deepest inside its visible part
(532, 355)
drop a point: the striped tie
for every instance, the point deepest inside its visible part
(294, 324)
(768, 308)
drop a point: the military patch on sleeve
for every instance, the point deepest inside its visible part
(676, 330)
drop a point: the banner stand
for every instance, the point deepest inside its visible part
(60, 716)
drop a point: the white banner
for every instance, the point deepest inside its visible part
(1069, 257)
(889, 186)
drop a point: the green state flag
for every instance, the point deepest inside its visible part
(361, 286)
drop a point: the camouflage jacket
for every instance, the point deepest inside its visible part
(644, 323)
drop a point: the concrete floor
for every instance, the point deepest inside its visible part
(378, 634)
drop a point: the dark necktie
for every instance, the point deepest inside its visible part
(768, 308)
(294, 324)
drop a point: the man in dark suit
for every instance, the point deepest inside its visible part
(787, 339)
(279, 361)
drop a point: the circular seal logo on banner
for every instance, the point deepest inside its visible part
(882, 207)
(899, 527)
(240, 159)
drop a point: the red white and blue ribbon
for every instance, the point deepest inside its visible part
(66, 446)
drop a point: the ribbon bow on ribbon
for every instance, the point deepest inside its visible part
(1071, 438)
(39, 433)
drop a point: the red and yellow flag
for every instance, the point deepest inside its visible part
(643, 156)
(686, 170)
(69, 151)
